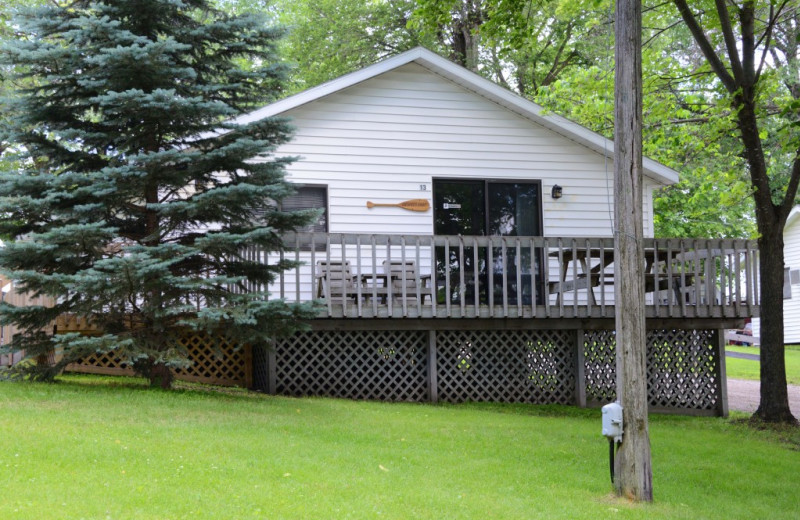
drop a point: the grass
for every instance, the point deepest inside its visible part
(99, 449)
(749, 369)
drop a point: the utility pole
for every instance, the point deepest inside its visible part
(634, 475)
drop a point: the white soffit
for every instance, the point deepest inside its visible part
(472, 82)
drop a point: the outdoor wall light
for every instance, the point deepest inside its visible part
(557, 191)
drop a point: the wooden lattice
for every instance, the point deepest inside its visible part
(600, 366)
(216, 362)
(507, 366)
(381, 365)
(682, 367)
(108, 363)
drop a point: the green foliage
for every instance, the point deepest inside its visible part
(330, 38)
(133, 198)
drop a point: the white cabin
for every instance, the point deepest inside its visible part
(409, 126)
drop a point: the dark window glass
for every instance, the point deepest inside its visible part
(459, 208)
(309, 197)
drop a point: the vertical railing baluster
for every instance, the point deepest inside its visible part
(504, 276)
(403, 276)
(389, 288)
(698, 280)
(447, 295)
(534, 295)
(562, 276)
(283, 273)
(462, 288)
(670, 278)
(710, 279)
(476, 275)
(433, 282)
(589, 282)
(748, 288)
(737, 267)
(490, 271)
(574, 276)
(374, 246)
(326, 283)
(684, 261)
(297, 275)
(360, 279)
(546, 275)
(313, 264)
(602, 283)
(520, 289)
(345, 272)
(418, 275)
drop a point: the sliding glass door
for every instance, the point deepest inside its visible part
(494, 208)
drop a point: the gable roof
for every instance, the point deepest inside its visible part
(474, 83)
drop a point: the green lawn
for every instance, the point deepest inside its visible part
(748, 369)
(85, 448)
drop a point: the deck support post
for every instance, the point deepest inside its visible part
(720, 374)
(272, 371)
(433, 382)
(580, 369)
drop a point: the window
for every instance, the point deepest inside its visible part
(310, 197)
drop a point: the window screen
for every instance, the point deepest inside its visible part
(794, 276)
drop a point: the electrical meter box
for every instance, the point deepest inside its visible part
(612, 421)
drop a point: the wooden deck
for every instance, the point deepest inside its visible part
(453, 277)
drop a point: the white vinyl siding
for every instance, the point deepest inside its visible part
(791, 308)
(382, 139)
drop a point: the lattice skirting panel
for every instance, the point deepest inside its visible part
(379, 365)
(214, 362)
(683, 371)
(518, 366)
(506, 366)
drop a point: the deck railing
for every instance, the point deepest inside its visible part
(412, 276)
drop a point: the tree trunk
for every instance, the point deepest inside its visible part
(161, 376)
(774, 404)
(634, 477)
(771, 220)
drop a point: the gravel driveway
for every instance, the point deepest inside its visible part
(744, 395)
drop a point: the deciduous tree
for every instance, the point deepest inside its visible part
(746, 45)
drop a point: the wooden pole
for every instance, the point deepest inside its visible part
(634, 477)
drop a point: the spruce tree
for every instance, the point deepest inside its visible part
(135, 191)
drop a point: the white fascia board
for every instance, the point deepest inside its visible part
(475, 83)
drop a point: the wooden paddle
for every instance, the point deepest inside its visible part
(411, 205)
